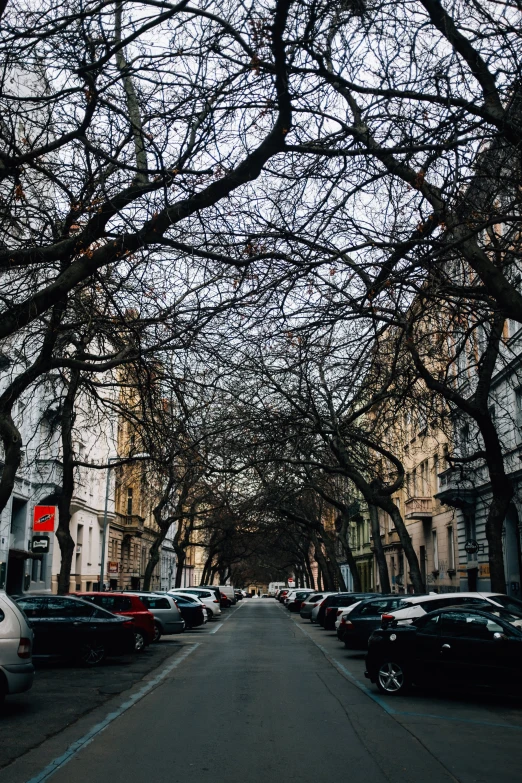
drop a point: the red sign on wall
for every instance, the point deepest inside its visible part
(43, 520)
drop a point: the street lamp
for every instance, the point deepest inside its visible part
(104, 532)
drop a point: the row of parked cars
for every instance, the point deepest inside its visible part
(456, 640)
(91, 626)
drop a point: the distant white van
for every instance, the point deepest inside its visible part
(273, 587)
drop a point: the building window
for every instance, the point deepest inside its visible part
(435, 550)
(424, 479)
(464, 439)
(129, 501)
(451, 549)
(436, 470)
(518, 414)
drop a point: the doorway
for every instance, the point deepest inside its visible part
(512, 554)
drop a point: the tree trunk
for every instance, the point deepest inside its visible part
(502, 494)
(154, 557)
(180, 562)
(409, 552)
(63, 534)
(350, 559)
(310, 573)
(382, 566)
(327, 578)
(12, 442)
(332, 559)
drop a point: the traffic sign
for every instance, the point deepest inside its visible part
(43, 519)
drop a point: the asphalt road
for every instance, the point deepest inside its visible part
(266, 698)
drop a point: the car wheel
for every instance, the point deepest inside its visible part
(157, 633)
(392, 678)
(139, 641)
(92, 652)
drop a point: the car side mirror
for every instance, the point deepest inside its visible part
(500, 637)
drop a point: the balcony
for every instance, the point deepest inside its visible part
(132, 524)
(419, 508)
(456, 488)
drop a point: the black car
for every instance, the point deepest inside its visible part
(456, 647)
(327, 614)
(191, 611)
(71, 628)
(364, 619)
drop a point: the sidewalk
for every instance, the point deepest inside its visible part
(62, 693)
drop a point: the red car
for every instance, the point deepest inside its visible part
(225, 602)
(128, 606)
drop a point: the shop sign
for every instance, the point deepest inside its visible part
(43, 519)
(484, 570)
(113, 567)
(40, 545)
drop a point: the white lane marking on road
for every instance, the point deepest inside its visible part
(405, 713)
(73, 749)
(216, 629)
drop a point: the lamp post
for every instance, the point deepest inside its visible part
(104, 531)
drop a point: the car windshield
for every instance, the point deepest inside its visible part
(513, 618)
(509, 603)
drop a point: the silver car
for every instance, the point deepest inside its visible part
(167, 617)
(309, 605)
(16, 642)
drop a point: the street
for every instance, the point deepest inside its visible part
(265, 697)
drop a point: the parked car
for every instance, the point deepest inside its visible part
(192, 610)
(213, 588)
(311, 601)
(413, 606)
(129, 606)
(296, 599)
(167, 616)
(239, 595)
(16, 642)
(282, 595)
(224, 601)
(68, 627)
(228, 590)
(363, 619)
(328, 611)
(343, 614)
(207, 598)
(456, 647)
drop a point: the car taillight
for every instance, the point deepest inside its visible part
(339, 611)
(216, 601)
(348, 624)
(24, 648)
(128, 624)
(387, 618)
(331, 609)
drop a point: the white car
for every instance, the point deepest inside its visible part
(315, 610)
(207, 598)
(291, 595)
(194, 598)
(418, 605)
(343, 612)
(16, 642)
